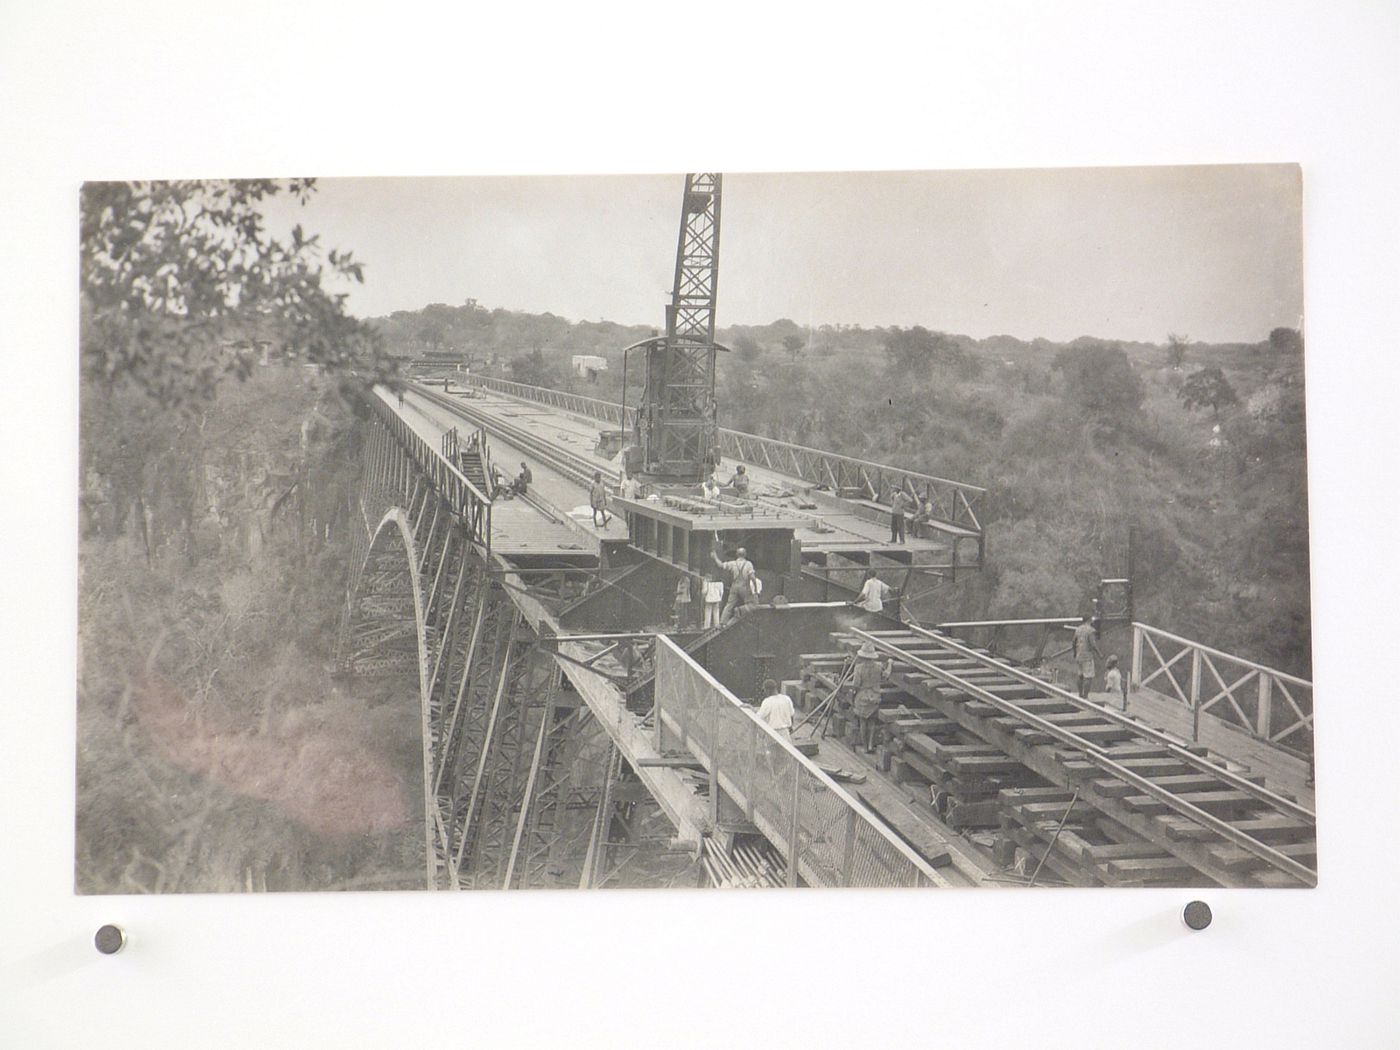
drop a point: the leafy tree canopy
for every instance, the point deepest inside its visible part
(1176, 349)
(1286, 340)
(1207, 388)
(917, 351)
(173, 272)
(1099, 379)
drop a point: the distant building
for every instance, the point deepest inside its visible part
(587, 366)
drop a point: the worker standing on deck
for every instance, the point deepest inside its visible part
(598, 499)
(865, 688)
(710, 488)
(714, 594)
(630, 488)
(901, 505)
(741, 582)
(776, 710)
(682, 603)
(874, 592)
(1086, 647)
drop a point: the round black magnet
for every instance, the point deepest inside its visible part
(1196, 915)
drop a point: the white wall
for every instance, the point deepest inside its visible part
(172, 88)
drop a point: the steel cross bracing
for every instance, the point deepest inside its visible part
(1040, 739)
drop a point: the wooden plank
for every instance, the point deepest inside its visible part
(1216, 802)
(905, 822)
(1270, 828)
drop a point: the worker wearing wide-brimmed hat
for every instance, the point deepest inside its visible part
(865, 688)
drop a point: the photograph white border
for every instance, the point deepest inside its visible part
(173, 89)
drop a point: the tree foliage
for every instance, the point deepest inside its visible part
(1099, 380)
(747, 348)
(1207, 388)
(794, 344)
(534, 369)
(1176, 349)
(913, 352)
(172, 273)
(1286, 340)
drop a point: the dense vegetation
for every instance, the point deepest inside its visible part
(1075, 441)
(215, 749)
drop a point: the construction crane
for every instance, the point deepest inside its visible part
(675, 436)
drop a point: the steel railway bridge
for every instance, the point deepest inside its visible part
(577, 719)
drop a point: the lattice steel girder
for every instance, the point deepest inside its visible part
(483, 681)
(544, 834)
(498, 748)
(506, 802)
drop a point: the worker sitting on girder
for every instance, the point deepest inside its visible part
(874, 592)
(499, 488)
(522, 480)
(709, 488)
(740, 481)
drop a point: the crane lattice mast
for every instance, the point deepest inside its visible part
(677, 432)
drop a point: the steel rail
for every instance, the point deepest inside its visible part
(570, 464)
(1283, 805)
(1096, 754)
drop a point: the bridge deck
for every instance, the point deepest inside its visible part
(849, 530)
(555, 520)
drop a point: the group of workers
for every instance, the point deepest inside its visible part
(905, 510)
(1086, 651)
(517, 486)
(860, 694)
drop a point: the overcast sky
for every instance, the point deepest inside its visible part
(1129, 253)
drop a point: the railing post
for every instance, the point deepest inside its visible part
(1136, 676)
(1195, 695)
(848, 858)
(714, 761)
(793, 851)
(1266, 705)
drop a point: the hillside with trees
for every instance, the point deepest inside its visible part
(216, 750)
(1201, 446)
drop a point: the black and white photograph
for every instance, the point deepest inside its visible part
(473, 578)
(875, 529)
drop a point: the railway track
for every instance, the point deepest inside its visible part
(1221, 822)
(578, 469)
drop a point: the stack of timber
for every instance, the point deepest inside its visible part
(1048, 833)
(963, 779)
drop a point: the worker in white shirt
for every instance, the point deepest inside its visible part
(714, 594)
(776, 711)
(874, 592)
